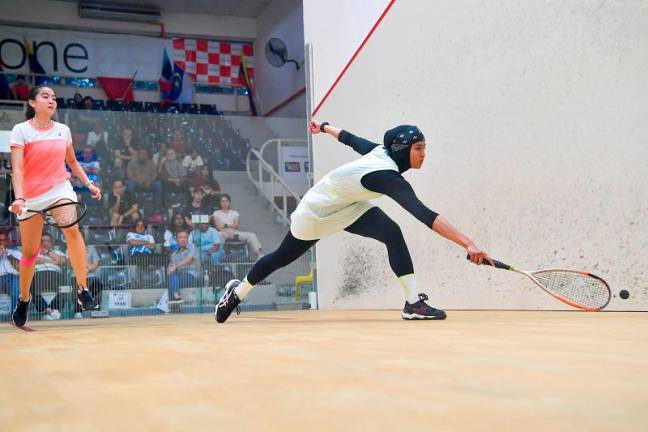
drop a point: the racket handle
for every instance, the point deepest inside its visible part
(498, 264)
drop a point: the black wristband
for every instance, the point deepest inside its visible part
(322, 126)
(21, 199)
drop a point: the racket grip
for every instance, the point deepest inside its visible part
(498, 264)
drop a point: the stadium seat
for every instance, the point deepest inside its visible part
(189, 108)
(208, 109)
(152, 107)
(176, 200)
(236, 251)
(99, 104)
(136, 107)
(147, 201)
(115, 105)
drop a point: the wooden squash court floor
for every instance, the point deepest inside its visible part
(329, 370)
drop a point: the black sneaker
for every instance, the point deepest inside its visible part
(19, 315)
(85, 299)
(228, 302)
(422, 311)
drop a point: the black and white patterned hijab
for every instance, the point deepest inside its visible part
(398, 141)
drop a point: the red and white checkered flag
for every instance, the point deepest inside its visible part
(213, 62)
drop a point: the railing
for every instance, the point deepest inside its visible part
(238, 92)
(141, 285)
(269, 183)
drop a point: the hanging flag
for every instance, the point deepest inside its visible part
(175, 87)
(211, 62)
(4, 85)
(34, 66)
(244, 79)
(117, 88)
(164, 82)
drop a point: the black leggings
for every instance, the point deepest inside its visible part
(374, 224)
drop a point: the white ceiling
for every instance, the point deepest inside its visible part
(237, 8)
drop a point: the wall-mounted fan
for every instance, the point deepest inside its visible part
(277, 53)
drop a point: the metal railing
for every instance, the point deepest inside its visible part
(266, 179)
(141, 285)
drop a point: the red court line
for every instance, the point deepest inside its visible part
(319, 105)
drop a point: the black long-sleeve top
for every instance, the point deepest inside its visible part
(389, 182)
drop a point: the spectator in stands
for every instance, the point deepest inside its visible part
(183, 263)
(122, 205)
(86, 117)
(48, 277)
(193, 162)
(178, 143)
(88, 103)
(141, 244)
(208, 241)
(139, 241)
(125, 148)
(20, 89)
(210, 187)
(227, 222)
(176, 225)
(9, 259)
(94, 283)
(195, 207)
(142, 173)
(89, 163)
(77, 101)
(160, 156)
(97, 134)
(79, 138)
(173, 173)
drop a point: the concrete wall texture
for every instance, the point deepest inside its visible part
(535, 117)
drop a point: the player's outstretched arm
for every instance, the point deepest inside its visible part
(359, 144)
(443, 228)
(315, 127)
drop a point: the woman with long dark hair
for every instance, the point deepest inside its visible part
(40, 148)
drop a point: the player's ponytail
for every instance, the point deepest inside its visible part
(33, 93)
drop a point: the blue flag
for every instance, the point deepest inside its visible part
(4, 85)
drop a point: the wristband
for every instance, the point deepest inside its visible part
(322, 126)
(88, 183)
(19, 199)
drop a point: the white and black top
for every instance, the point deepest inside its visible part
(342, 196)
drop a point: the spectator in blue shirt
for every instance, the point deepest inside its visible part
(207, 240)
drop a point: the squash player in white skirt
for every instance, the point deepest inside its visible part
(40, 148)
(340, 201)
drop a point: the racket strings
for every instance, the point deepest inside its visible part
(64, 214)
(575, 287)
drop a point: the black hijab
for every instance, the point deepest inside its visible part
(398, 141)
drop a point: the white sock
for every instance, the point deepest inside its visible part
(243, 289)
(408, 282)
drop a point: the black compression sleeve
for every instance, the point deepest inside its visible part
(394, 185)
(358, 144)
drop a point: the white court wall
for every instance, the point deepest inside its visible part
(535, 117)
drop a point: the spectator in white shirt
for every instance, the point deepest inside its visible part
(9, 269)
(96, 134)
(227, 222)
(193, 162)
(48, 277)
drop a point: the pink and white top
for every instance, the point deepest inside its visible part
(44, 155)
